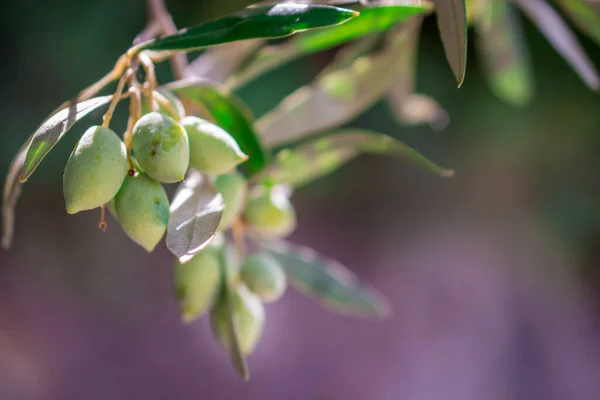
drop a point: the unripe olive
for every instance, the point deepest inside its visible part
(264, 277)
(269, 211)
(249, 316)
(197, 282)
(95, 170)
(161, 147)
(142, 209)
(233, 187)
(213, 151)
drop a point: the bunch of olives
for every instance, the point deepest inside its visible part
(101, 171)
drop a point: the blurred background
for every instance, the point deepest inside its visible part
(493, 274)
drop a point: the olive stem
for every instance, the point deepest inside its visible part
(103, 224)
(116, 97)
(163, 101)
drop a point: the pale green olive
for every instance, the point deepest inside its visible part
(249, 315)
(95, 170)
(270, 212)
(233, 187)
(142, 209)
(213, 151)
(264, 277)
(197, 282)
(161, 147)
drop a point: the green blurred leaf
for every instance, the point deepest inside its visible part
(562, 38)
(230, 261)
(584, 15)
(53, 129)
(502, 49)
(327, 281)
(333, 98)
(195, 214)
(274, 21)
(228, 112)
(302, 164)
(452, 22)
(371, 20)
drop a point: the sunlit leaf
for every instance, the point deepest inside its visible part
(53, 129)
(195, 214)
(561, 37)
(273, 21)
(327, 281)
(302, 164)
(228, 112)
(502, 49)
(370, 21)
(332, 99)
(452, 22)
(584, 15)
(228, 258)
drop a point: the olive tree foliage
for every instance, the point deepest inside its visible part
(231, 211)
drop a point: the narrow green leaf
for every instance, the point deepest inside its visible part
(230, 261)
(584, 15)
(562, 38)
(452, 22)
(228, 112)
(327, 281)
(333, 98)
(371, 20)
(504, 57)
(274, 21)
(53, 129)
(300, 165)
(195, 214)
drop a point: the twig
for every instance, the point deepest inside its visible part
(158, 12)
(116, 97)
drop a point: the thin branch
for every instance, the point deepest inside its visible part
(158, 12)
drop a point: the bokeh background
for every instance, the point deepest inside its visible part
(493, 274)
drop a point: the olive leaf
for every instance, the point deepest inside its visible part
(274, 21)
(227, 111)
(333, 98)
(562, 38)
(327, 281)
(371, 21)
(300, 165)
(584, 15)
(218, 63)
(505, 59)
(53, 129)
(195, 214)
(452, 23)
(230, 261)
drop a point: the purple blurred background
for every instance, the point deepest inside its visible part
(493, 274)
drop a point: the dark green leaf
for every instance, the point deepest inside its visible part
(53, 129)
(195, 214)
(333, 98)
(228, 112)
(274, 21)
(504, 57)
(302, 164)
(584, 15)
(452, 22)
(562, 38)
(327, 281)
(370, 21)
(229, 260)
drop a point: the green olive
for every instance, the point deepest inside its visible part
(95, 170)
(142, 209)
(197, 282)
(249, 316)
(269, 211)
(264, 277)
(212, 150)
(233, 187)
(161, 147)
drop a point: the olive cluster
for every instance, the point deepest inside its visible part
(101, 171)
